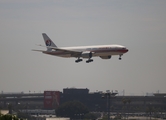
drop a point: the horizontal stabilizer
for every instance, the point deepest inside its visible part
(38, 50)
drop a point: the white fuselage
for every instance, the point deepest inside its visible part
(97, 50)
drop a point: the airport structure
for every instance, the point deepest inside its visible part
(50, 100)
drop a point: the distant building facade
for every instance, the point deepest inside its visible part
(94, 101)
(51, 99)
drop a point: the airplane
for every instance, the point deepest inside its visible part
(87, 52)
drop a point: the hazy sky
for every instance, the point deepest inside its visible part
(140, 25)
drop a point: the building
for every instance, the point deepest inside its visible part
(94, 101)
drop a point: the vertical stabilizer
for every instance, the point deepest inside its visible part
(48, 41)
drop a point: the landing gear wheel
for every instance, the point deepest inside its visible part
(78, 60)
(120, 58)
(90, 60)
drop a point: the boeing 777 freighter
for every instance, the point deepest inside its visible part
(102, 51)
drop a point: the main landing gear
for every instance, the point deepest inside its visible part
(78, 60)
(89, 60)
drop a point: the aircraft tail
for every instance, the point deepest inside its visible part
(48, 41)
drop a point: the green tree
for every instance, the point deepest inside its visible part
(8, 117)
(72, 109)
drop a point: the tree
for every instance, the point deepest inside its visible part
(72, 109)
(8, 117)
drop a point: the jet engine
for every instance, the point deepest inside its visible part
(105, 57)
(86, 54)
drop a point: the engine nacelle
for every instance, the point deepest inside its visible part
(86, 54)
(105, 57)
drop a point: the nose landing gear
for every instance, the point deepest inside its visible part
(120, 57)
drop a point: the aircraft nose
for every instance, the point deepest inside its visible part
(125, 50)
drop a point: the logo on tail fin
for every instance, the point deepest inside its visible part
(48, 42)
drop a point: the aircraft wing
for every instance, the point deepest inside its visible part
(73, 53)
